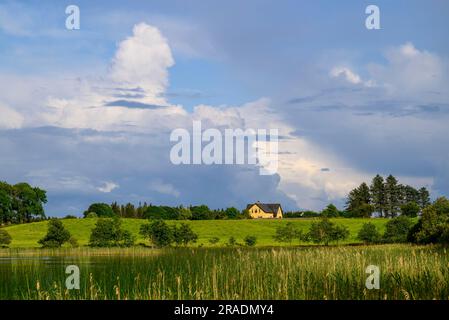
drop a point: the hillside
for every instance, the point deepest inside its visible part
(27, 235)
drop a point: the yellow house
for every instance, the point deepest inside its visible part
(265, 210)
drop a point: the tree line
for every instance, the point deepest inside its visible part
(21, 203)
(145, 211)
(386, 197)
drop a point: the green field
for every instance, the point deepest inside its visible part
(27, 235)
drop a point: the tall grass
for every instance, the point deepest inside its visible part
(407, 272)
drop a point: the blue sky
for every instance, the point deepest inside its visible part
(356, 101)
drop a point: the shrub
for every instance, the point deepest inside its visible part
(250, 241)
(286, 233)
(232, 242)
(184, 235)
(326, 231)
(73, 242)
(397, 230)
(214, 240)
(108, 233)
(5, 238)
(368, 233)
(410, 209)
(91, 215)
(158, 232)
(56, 235)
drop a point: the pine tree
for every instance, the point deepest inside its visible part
(423, 198)
(392, 196)
(378, 195)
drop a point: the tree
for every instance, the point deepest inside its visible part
(184, 234)
(368, 233)
(158, 232)
(56, 235)
(108, 233)
(423, 198)
(377, 190)
(433, 225)
(102, 210)
(326, 231)
(27, 202)
(410, 209)
(200, 212)
(330, 211)
(6, 210)
(357, 198)
(5, 238)
(250, 241)
(363, 211)
(397, 230)
(392, 196)
(232, 213)
(286, 233)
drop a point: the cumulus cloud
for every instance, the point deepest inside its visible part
(108, 187)
(345, 73)
(142, 60)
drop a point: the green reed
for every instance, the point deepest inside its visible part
(407, 272)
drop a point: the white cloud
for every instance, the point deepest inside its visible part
(108, 187)
(9, 118)
(345, 73)
(142, 61)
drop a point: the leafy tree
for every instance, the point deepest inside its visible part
(433, 225)
(397, 230)
(377, 190)
(410, 209)
(363, 211)
(102, 210)
(6, 210)
(184, 234)
(200, 212)
(5, 238)
(232, 213)
(158, 232)
(286, 233)
(330, 211)
(91, 215)
(250, 241)
(326, 231)
(27, 202)
(184, 213)
(109, 233)
(368, 233)
(56, 235)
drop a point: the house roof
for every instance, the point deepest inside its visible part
(266, 207)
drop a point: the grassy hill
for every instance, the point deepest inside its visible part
(27, 235)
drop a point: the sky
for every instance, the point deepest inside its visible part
(87, 114)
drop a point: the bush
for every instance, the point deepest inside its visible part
(214, 240)
(91, 215)
(326, 231)
(368, 233)
(56, 235)
(102, 210)
(158, 232)
(410, 209)
(286, 233)
(5, 238)
(397, 230)
(250, 241)
(69, 216)
(108, 233)
(73, 242)
(184, 235)
(232, 242)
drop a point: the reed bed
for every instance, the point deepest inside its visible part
(407, 272)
